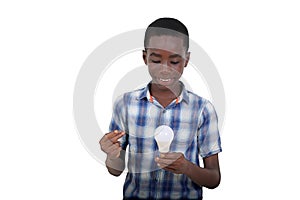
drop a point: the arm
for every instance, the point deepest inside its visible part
(209, 144)
(209, 176)
(115, 161)
(116, 166)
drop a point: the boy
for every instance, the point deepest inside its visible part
(164, 101)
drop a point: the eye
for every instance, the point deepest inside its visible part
(174, 62)
(155, 61)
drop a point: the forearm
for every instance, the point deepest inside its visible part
(206, 177)
(116, 166)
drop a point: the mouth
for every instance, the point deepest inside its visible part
(165, 79)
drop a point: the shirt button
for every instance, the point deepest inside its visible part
(164, 111)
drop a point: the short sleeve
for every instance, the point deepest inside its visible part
(118, 120)
(209, 141)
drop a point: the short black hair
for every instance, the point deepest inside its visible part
(167, 26)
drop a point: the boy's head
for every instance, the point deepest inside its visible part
(166, 51)
(168, 27)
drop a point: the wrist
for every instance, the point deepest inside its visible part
(111, 160)
(115, 165)
(188, 167)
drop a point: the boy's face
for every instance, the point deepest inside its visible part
(166, 57)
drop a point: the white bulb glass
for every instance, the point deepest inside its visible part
(164, 136)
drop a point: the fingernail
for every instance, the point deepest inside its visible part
(115, 131)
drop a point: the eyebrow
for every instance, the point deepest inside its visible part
(155, 54)
(175, 56)
(171, 56)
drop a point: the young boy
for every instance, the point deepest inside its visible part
(164, 101)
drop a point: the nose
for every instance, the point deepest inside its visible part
(165, 65)
(165, 68)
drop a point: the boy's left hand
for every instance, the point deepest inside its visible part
(173, 162)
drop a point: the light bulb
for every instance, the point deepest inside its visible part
(164, 136)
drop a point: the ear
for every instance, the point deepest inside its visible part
(145, 56)
(187, 59)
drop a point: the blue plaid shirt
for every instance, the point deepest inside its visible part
(195, 125)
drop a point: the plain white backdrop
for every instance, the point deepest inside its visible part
(255, 46)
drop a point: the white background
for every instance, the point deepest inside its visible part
(254, 45)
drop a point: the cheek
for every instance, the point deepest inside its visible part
(153, 69)
(178, 69)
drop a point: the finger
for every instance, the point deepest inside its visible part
(106, 143)
(164, 162)
(166, 166)
(103, 139)
(166, 159)
(107, 148)
(114, 135)
(115, 153)
(161, 166)
(111, 134)
(172, 156)
(107, 140)
(113, 147)
(171, 169)
(117, 136)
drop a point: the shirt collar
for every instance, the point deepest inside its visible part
(145, 93)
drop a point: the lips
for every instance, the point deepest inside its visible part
(165, 79)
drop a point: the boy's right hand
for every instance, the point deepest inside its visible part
(110, 145)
